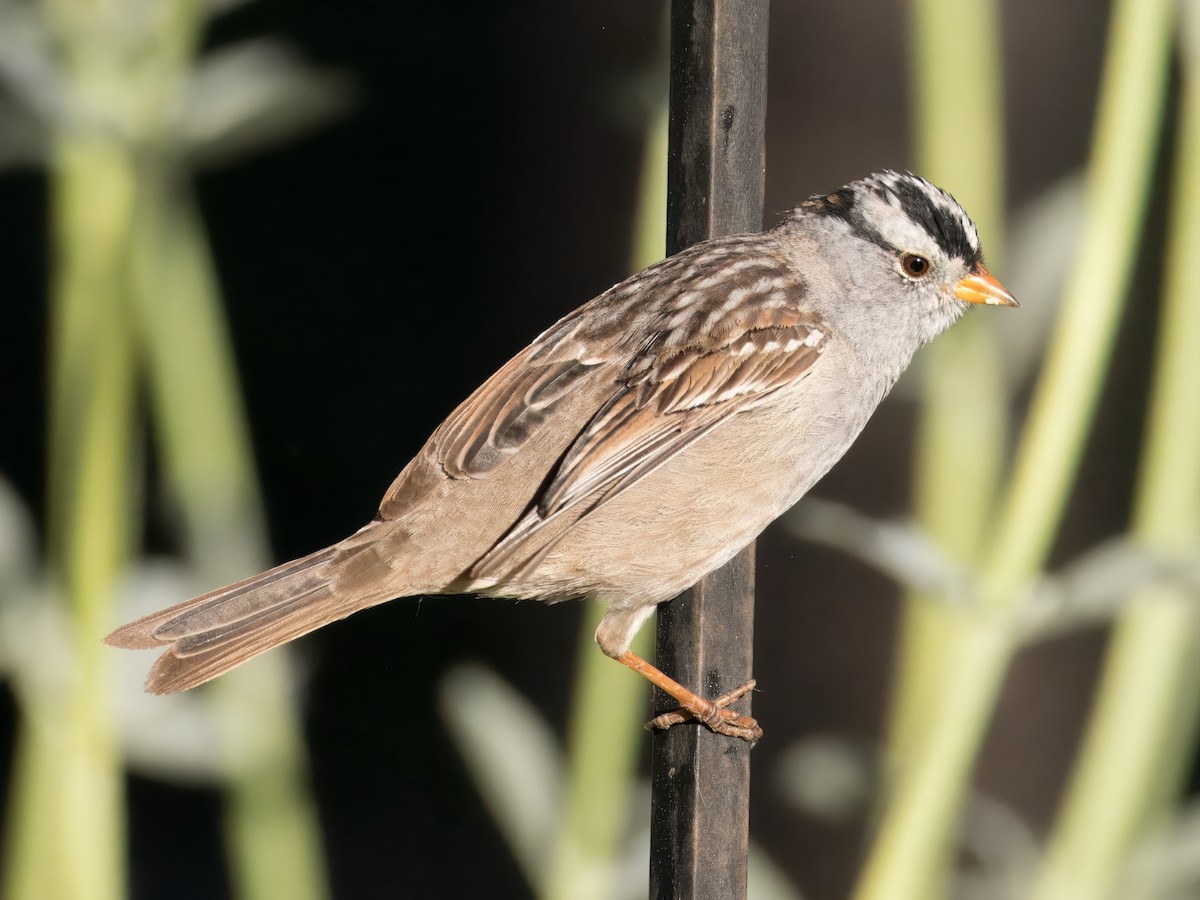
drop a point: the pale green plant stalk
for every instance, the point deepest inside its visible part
(272, 832)
(962, 430)
(132, 278)
(67, 819)
(1145, 718)
(608, 703)
(66, 824)
(926, 799)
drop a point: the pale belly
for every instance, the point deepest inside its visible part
(695, 513)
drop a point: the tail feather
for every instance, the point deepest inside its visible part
(192, 643)
(179, 670)
(224, 606)
(212, 633)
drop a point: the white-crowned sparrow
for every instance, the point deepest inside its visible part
(641, 441)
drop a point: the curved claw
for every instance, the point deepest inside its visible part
(718, 719)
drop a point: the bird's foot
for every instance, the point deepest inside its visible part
(714, 715)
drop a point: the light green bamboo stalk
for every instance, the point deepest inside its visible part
(607, 705)
(272, 833)
(963, 425)
(1145, 719)
(131, 275)
(962, 430)
(919, 821)
(66, 822)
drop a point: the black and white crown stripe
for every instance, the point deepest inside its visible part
(946, 210)
(934, 209)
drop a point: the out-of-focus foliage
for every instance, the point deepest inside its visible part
(111, 99)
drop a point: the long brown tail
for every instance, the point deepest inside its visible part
(210, 634)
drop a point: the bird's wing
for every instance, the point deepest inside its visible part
(678, 397)
(503, 413)
(582, 352)
(501, 416)
(708, 357)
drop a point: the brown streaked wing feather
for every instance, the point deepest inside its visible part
(637, 460)
(503, 413)
(675, 391)
(499, 417)
(694, 391)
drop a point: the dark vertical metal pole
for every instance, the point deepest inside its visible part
(701, 781)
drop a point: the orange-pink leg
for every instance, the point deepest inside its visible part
(714, 714)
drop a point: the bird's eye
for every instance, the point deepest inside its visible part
(914, 266)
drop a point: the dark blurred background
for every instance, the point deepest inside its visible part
(375, 271)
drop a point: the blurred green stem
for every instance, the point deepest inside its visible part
(604, 736)
(604, 742)
(1139, 738)
(67, 823)
(919, 822)
(199, 420)
(963, 425)
(132, 282)
(273, 836)
(962, 430)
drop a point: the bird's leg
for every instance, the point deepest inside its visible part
(714, 714)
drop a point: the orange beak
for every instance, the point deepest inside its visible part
(981, 286)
